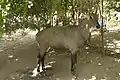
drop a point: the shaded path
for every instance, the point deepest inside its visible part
(90, 65)
(17, 64)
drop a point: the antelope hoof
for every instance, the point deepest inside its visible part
(38, 70)
(73, 71)
(44, 69)
(73, 68)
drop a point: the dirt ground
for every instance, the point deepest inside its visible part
(18, 59)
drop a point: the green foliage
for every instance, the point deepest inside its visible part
(35, 14)
(112, 5)
(112, 22)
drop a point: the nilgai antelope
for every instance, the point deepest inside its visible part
(70, 37)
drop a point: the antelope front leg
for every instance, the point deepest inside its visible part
(73, 61)
(43, 65)
(38, 63)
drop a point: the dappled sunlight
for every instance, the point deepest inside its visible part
(86, 47)
(114, 44)
(117, 50)
(93, 78)
(117, 60)
(95, 33)
(113, 29)
(52, 62)
(12, 58)
(111, 45)
(18, 34)
(118, 45)
(35, 73)
(32, 32)
(92, 36)
(116, 41)
(1, 50)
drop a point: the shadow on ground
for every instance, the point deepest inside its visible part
(18, 64)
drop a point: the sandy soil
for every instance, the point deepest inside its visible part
(17, 62)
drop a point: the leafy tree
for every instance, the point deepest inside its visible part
(34, 14)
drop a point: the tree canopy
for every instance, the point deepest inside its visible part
(33, 14)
